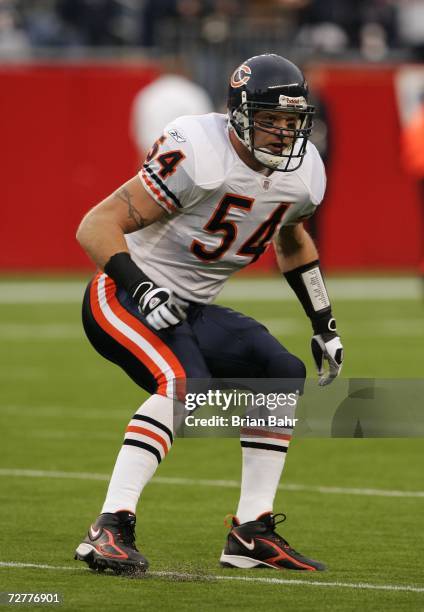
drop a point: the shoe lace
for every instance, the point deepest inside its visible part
(275, 536)
(126, 531)
(274, 522)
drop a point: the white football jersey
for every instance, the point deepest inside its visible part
(222, 215)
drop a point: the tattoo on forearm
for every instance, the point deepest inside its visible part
(125, 196)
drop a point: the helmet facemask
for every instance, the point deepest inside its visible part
(293, 141)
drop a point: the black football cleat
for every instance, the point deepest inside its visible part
(110, 544)
(255, 544)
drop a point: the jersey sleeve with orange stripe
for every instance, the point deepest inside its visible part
(167, 173)
(173, 174)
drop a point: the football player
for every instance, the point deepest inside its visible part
(213, 192)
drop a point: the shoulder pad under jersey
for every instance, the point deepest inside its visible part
(203, 140)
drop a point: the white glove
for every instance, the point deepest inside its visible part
(162, 308)
(327, 347)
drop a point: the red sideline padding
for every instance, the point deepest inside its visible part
(371, 217)
(65, 146)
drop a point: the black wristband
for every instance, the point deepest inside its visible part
(127, 274)
(308, 284)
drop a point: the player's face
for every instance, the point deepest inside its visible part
(268, 134)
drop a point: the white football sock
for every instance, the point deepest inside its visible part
(264, 455)
(148, 438)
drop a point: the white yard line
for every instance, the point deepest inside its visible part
(23, 332)
(61, 411)
(371, 288)
(201, 482)
(43, 331)
(36, 292)
(367, 288)
(64, 434)
(384, 328)
(53, 474)
(218, 577)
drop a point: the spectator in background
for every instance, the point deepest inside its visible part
(168, 97)
(13, 40)
(325, 17)
(155, 13)
(410, 24)
(44, 26)
(378, 31)
(94, 22)
(413, 158)
(333, 27)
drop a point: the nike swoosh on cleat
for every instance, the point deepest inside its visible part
(249, 546)
(94, 533)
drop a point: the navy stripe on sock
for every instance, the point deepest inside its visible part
(147, 447)
(274, 447)
(146, 419)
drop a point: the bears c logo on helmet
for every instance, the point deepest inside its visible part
(240, 76)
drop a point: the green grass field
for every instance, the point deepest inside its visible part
(356, 504)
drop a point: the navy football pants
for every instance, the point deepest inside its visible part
(214, 342)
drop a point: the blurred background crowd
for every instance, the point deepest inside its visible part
(214, 35)
(374, 29)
